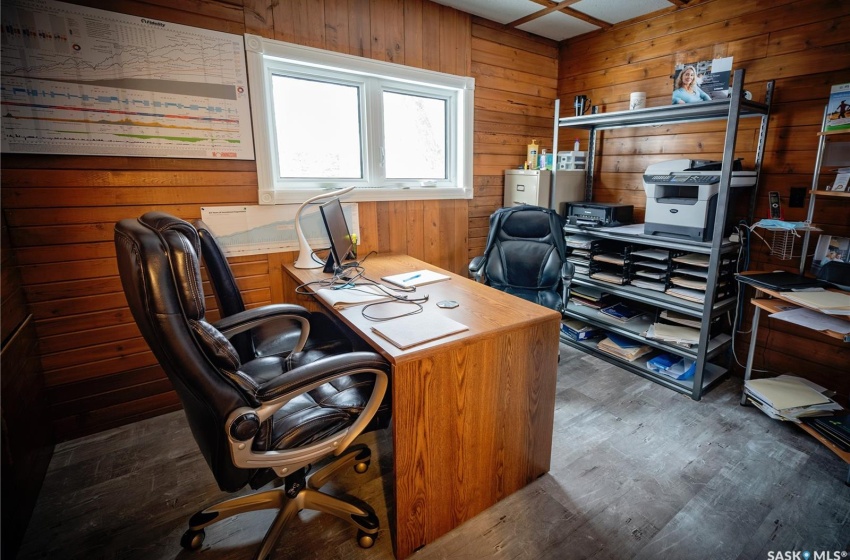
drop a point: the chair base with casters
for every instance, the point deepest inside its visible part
(299, 492)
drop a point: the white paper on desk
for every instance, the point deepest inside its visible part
(342, 298)
(413, 330)
(813, 320)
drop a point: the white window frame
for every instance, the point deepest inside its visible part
(266, 57)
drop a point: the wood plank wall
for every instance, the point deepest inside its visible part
(803, 46)
(60, 210)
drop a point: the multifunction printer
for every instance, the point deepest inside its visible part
(681, 197)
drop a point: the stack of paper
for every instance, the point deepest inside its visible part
(579, 241)
(829, 302)
(673, 333)
(696, 296)
(623, 347)
(789, 398)
(681, 318)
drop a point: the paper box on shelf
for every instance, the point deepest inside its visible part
(576, 330)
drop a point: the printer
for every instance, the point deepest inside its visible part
(681, 197)
(598, 214)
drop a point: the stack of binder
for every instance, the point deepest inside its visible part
(836, 429)
(652, 271)
(589, 296)
(622, 347)
(789, 398)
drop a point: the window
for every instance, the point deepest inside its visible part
(329, 120)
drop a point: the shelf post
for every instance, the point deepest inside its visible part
(813, 190)
(732, 119)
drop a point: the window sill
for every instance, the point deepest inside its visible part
(366, 194)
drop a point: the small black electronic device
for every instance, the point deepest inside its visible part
(598, 214)
(775, 208)
(338, 234)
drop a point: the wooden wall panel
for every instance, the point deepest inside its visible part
(515, 88)
(61, 210)
(803, 45)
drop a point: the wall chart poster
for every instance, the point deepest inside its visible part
(78, 80)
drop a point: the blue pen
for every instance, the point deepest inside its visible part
(414, 277)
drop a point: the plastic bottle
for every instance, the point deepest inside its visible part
(531, 158)
(542, 164)
(577, 146)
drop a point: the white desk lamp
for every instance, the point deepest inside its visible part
(305, 252)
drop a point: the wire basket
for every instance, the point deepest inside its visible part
(782, 243)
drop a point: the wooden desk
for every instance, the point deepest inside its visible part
(774, 301)
(472, 413)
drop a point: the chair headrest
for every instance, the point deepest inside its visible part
(527, 223)
(184, 250)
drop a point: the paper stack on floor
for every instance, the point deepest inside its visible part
(789, 398)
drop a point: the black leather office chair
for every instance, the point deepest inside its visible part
(264, 420)
(525, 256)
(277, 338)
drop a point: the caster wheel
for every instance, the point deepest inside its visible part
(365, 540)
(192, 540)
(361, 467)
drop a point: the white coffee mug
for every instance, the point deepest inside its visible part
(637, 100)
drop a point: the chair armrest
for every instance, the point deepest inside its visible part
(568, 270)
(275, 393)
(475, 267)
(250, 318)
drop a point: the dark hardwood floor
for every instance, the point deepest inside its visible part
(638, 471)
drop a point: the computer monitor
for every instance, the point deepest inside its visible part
(338, 234)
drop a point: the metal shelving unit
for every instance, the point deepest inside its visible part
(824, 140)
(731, 110)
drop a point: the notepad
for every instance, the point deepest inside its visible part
(407, 332)
(415, 278)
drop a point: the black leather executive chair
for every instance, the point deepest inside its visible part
(525, 256)
(258, 421)
(277, 338)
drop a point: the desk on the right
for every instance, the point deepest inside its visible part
(774, 301)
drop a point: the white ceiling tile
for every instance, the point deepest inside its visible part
(615, 12)
(501, 11)
(557, 26)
